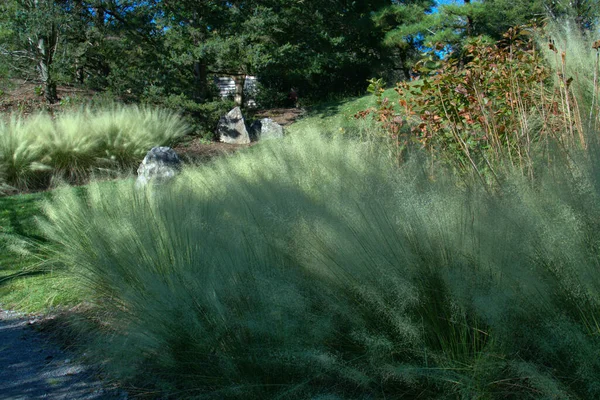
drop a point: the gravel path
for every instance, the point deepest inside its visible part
(34, 367)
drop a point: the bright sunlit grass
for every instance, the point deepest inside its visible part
(72, 146)
(338, 117)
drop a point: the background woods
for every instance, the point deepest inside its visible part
(168, 51)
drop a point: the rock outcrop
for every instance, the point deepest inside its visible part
(265, 129)
(232, 128)
(160, 165)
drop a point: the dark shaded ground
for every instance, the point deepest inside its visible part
(196, 151)
(32, 366)
(283, 116)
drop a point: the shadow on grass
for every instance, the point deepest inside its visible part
(329, 109)
(17, 215)
(17, 222)
(7, 279)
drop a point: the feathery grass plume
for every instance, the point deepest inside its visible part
(72, 148)
(311, 266)
(577, 62)
(129, 132)
(74, 145)
(574, 60)
(21, 149)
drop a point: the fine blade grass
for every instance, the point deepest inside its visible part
(20, 150)
(572, 55)
(312, 267)
(316, 268)
(73, 146)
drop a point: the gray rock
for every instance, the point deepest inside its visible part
(232, 128)
(264, 129)
(160, 165)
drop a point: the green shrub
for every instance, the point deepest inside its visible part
(311, 267)
(268, 97)
(202, 117)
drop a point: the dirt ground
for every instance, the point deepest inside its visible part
(23, 97)
(196, 150)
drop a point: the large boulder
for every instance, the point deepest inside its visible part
(160, 165)
(264, 129)
(232, 128)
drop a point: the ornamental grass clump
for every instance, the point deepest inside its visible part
(127, 133)
(21, 151)
(313, 267)
(574, 59)
(72, 146)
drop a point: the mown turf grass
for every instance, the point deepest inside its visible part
(17, 213)
(17, 219)
(22, 285)
(27, 282)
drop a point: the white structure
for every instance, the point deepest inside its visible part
(226, 85)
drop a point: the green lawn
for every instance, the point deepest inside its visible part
(17, 220)
(25, 282)
(338, 116)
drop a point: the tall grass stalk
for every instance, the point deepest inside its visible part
(311, 267)
(500, 106)
(574, 62)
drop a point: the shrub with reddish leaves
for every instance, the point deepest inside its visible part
(489, 107)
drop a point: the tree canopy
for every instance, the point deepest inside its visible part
(153, 49)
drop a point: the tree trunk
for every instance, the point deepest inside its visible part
(239, 89)
(45, 48)
(404, 64)
(469, 21)
(200, 81)
(200, 90)
(100, 16)
(49, 84)
(79, 75)
(79, 72)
